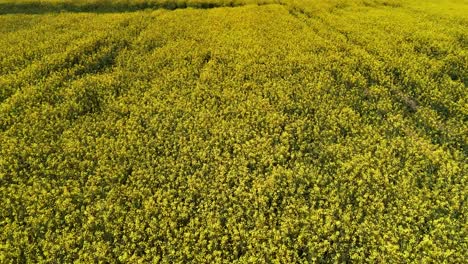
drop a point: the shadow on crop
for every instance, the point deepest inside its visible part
(44, 8)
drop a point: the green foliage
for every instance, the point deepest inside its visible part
(269, 132)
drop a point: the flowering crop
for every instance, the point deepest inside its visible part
(286, 131)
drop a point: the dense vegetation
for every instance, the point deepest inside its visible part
(255, 132)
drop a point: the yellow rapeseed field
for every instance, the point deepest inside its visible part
(233, 131)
